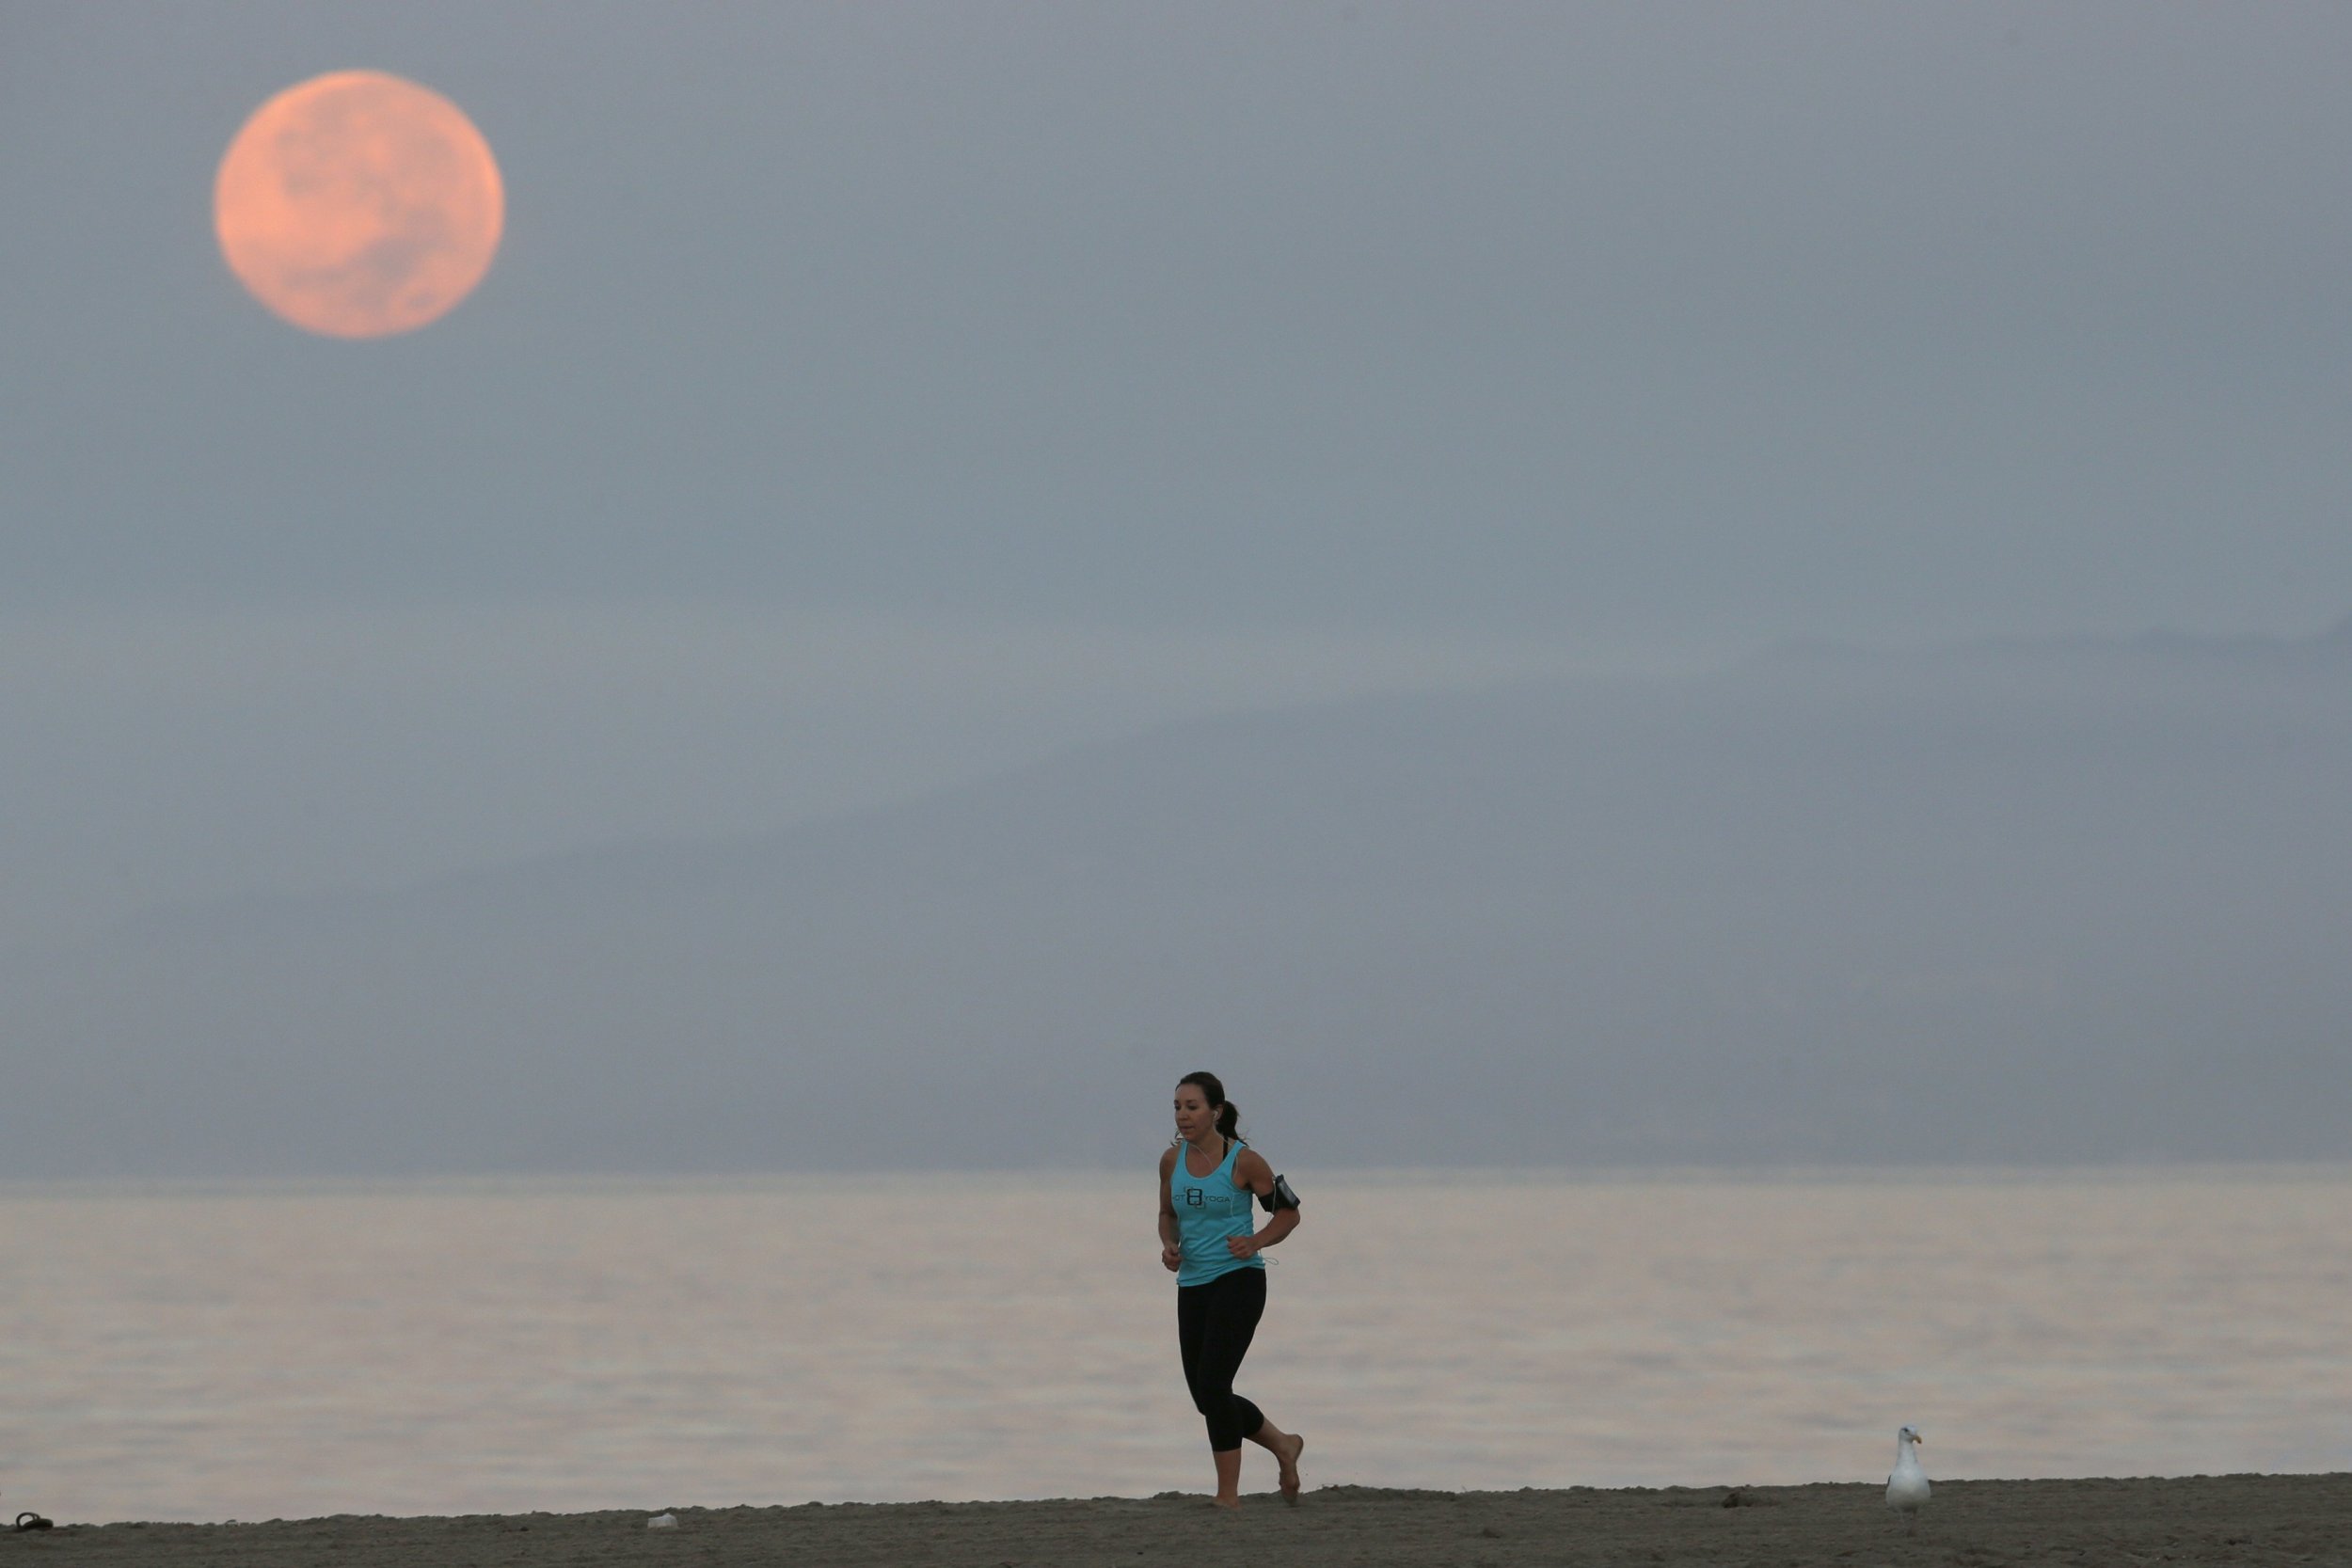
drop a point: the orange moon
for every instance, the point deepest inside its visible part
(358, 205)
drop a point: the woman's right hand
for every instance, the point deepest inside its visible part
(1171, 1257)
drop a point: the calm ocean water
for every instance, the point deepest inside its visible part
(250, 1353)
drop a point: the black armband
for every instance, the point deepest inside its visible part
(1281, 1197)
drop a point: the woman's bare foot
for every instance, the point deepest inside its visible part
(1230, 1505)
(1288, 1459)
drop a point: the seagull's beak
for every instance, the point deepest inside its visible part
(1918, 1441)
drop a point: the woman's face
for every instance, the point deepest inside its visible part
(1196, 1119)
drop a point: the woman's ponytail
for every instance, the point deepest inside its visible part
(1229, 1121)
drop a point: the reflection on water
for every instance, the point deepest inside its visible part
(253, 1353)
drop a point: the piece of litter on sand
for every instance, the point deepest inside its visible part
(662, 1521)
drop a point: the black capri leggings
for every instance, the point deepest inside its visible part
(1214, 1324)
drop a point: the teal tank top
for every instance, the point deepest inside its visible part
(1209, 1209)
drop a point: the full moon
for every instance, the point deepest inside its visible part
(358, 205)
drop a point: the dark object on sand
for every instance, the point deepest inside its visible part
(1733, 1499)
(31, 1520)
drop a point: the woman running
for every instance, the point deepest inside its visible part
(1206, 1182)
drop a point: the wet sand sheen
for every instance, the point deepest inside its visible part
(2226, 1520)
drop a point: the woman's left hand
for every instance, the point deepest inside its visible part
(1242, 1246)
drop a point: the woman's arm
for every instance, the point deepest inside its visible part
(1172, 1243)
(1251, 1171)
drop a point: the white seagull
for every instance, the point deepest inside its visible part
(1907, 1488)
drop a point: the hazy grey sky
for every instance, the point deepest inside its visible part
(866, 395)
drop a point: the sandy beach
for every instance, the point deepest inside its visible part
(2198, 1520)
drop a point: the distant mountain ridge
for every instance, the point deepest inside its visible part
(2045, 903)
